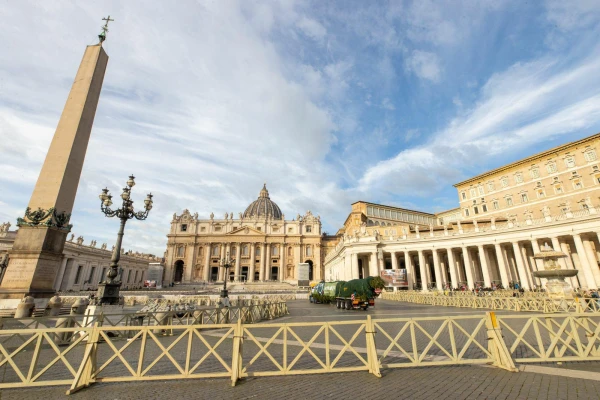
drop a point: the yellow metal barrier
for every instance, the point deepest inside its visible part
(80, 356)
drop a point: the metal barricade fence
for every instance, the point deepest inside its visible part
(40, 357)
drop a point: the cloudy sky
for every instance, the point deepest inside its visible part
(327, 102)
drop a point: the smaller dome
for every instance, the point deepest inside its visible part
(263, 206)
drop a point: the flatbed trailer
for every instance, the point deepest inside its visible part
(348, 303)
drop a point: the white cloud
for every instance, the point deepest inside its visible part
(571, 15)
(425, 65)
(312, 28)
(387, 104)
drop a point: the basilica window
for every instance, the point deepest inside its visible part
(308, 229)
(215, 251)
(217, 229)
(290, 230)
(257, 251)
(275, 230)
(180, 251)
(290, 251)
(274, 251)
(504, 181)
(183, 227)
(245, 250)
(308, 251)
(551, 167)
(590, 155)
(202, 229)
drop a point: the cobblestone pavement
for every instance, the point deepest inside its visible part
(454, 382)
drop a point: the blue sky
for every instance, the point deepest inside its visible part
(327, 102)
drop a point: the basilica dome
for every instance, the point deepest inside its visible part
(263, 207)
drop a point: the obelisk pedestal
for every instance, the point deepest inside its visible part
(35, 257)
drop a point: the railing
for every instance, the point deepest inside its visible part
(41, 357)
(535, 304)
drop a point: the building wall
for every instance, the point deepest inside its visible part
(261, 249)
(563, 179)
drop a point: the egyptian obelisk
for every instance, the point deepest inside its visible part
(37, 250)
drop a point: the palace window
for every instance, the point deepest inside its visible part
(540, 193)
(495, 205)
(466, 212)
(472, 192)
(369, 211)
(308, 229)
(504, 182)
(558, 189)
(518, 178)
(394, 215)
(463, 195)
(509, 201)
(490, 186)
(577, 184)
(535, 173)
(597, 178)
(524, 198)
(183, 227)
(551, 167)
(484, 208)
(570, 161)
(590, 155)
(475, 209)
(480, 189)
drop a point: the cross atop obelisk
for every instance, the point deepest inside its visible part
(37, 253)
(102, 35)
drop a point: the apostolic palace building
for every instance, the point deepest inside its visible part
(503, 217)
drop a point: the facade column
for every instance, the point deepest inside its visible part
(252, 264)
(576, 281)
(501, 265)
(238, 254)
(268, 262)
(452, 267)
(354, 266)
(585, 264)
(520, 266)
(282, 263)
(485, 268)
(539, 264)
(394, 260)
(221, 270)
(592, 260)
(207, 266)
(61, 273)
(423, 271)
(372, 271)
(468, 268)
(437, 270)
(261, 272)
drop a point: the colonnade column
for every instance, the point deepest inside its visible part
(354, 266)
(501, 265)
(452, 267)
(580, 278)
(372, 265)
(539, 264)
(61, 274)
(410, 270)
(394, 260)
(238, 254)
(592, 260)
(468, 267)
(437, 270)
(423, 271)
(252, 265)
(485, 269)
(207, 267)
(261, 271)
(520, 266)
(585, 265)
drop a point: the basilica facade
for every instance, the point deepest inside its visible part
(503, 218)
(260, 245)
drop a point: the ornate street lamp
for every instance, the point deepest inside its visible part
(108, 290)
(225, 263)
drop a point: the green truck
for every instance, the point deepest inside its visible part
(350, 295)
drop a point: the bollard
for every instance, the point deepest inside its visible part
(162, 318)
(54, 306)
(25, 308)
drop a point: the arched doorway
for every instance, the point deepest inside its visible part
(310, 270)
(178, 277)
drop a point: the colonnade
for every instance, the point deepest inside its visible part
(472, 262)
